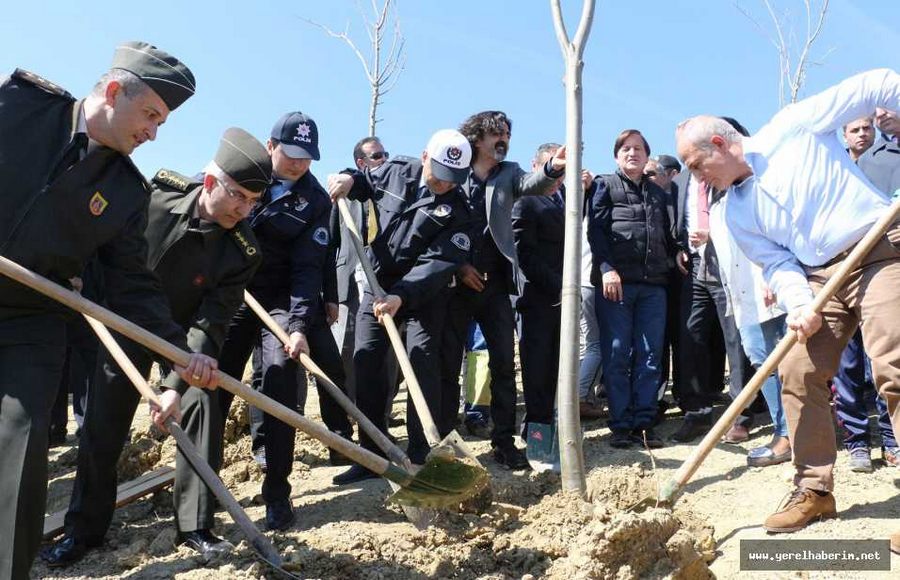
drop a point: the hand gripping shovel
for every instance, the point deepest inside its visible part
(443, 484)
(420, 517)
(452, 445)
(261, 545)
(673, 488)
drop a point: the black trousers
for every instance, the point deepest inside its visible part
(77, 375)
(493, 311)
(374, 380)
(707, 317)
(539, 327)
(670, 364)
(108, 418)
(30, 371)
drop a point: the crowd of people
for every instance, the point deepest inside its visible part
(685, 267)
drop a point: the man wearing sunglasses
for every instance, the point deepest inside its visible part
(204, 254)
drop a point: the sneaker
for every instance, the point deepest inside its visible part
(478, 429)
(510, 457)
(891, 455)
(860, 460)
(653, 441)
(802, 507)
(694, 426)
(621, 440)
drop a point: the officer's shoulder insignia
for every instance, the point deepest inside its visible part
(174, 180)
(300, 204)
(461, 241)
(442, 210)
(321, 236)
(97, 204)
(41, 82)
(245, 241)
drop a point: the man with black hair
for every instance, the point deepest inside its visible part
(485, 282)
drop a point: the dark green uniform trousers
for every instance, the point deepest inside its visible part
(110, 412)
(29, 378)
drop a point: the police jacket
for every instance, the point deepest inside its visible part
(292, 232)
(54, 218)
(203, 267)
(629, 230)
(881, 164)
(538, 225)
(421, 240)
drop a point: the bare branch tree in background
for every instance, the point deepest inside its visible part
(570, 451)
(793, 51)
(382, 67)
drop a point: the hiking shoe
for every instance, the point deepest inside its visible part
(860, 460)
(891, 455)
(802, 506)
(694, 426)
(653, 441)
(621, 440)
(511, 457)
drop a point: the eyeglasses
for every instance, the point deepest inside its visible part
(378, 156)
(239, 197)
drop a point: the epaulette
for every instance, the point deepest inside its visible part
(175, 180)
(41, 82)
(245, 240)
(129, 162)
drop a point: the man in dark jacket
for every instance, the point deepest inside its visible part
(632, 245)
(204, 254)
(64, 169)
(423, 236)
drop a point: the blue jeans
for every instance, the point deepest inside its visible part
(632, 333)
(758, 341)
(592, 357)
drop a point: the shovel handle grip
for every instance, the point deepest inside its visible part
(850, 263)
(394, 453)
(412, 383)
(173, 353)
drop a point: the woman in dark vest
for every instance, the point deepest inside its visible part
(632, 245)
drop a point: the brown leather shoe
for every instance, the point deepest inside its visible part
(802, 507)
(895, 542)
(737, 434)
(590, 411)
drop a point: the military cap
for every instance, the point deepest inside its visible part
(166, 75)
(244, 159)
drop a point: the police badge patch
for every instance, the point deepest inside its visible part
(461, 241)
(97, 204)
(442, 210)
(300, 204)
(321, 236)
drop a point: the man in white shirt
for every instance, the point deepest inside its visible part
(797, 205)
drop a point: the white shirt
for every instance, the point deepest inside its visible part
(806, 201)
(691, 214)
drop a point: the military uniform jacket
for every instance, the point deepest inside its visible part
(421, 241)
(53, 220)
(292, 232)
(203, 267)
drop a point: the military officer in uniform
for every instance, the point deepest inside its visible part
(423, 222)
(70, 192)
(291, 225)
(204, 253)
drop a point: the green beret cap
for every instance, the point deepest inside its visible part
(165, 74)
(244, 159)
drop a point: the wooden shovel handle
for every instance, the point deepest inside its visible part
(394, 453)
(171, 352)
(850, 263)
(412, 383)
(206, 473)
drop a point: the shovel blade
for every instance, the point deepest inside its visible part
(453, 446)
(444, 482)
(542, 447)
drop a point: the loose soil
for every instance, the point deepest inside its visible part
(532, 529)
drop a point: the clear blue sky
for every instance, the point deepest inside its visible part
(648, 64)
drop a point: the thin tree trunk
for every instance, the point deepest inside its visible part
(570, 436)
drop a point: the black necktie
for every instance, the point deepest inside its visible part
(71, 155)
(558, 200)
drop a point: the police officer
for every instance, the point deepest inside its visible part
(204, 253)
(70, 192)
(291, 225)
(423, 223)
